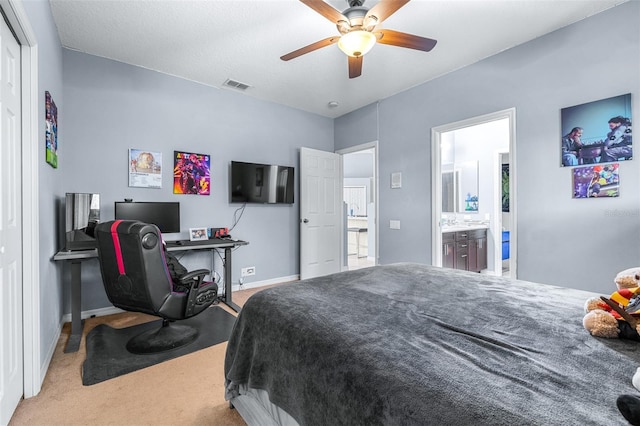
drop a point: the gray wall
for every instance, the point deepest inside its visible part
(117, 106)
(49, 179)
(571, 243)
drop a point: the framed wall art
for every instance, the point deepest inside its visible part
(597, 181)
(597, 132)
(145, 169)
(505, 188)
(191, 173)
(51, 130)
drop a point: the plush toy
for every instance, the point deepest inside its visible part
(629, 278)
(619, 316)
(613, 317)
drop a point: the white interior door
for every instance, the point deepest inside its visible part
(320, 213)
(11, 361)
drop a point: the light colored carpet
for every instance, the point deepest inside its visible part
(188, 390)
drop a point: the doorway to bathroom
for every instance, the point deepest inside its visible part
(473, 188)
(359, 166)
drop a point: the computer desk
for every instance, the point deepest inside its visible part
(76, 257)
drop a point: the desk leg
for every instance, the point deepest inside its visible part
(227, 300)
(76, 300)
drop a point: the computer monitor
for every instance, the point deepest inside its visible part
(82, 214)
(165, 215)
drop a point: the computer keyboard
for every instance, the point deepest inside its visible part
(182, 243)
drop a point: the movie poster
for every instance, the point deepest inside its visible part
(191, 173)
(598, 181)
(145, 168)
(51, 130)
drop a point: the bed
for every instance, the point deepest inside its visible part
(411, 344)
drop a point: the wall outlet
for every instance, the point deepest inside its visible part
(248, 271)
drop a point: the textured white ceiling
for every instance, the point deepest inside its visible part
(210, 41)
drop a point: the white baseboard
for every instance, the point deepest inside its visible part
(113, 310)
(256, 284)
(94, 313)
(44, 367)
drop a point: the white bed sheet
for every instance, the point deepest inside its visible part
(256, 409)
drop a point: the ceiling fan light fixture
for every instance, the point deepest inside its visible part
(357, 43)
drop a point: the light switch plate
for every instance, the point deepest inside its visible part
(396, 180)
(394, 224)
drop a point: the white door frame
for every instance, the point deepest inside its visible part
(436, 184)
(19, 23)
(376, 182)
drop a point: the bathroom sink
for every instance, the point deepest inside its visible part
(463, 227)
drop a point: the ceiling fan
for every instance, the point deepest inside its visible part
(358, 33)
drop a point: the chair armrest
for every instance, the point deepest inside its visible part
(193, 274)
(193, 280)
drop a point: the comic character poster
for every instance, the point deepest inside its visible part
(601, 180)
(191, 173)
(51, 130)
(597, 132)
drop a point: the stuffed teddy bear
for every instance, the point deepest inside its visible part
(629, 278)
(613, 317)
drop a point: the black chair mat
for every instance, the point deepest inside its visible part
(107, 356)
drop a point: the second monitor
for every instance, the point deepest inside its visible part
(165, 215)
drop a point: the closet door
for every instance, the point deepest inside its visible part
(11, 350)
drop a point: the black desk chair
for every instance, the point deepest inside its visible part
(136, 278)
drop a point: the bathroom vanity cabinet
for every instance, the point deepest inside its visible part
(466, 250)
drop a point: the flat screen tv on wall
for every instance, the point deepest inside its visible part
(261, 183)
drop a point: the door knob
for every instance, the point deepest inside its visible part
(305, 220)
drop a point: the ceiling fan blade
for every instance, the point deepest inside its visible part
(355, 66)
(310, 48)
(384, 9)
(325, 10)
(410, 41)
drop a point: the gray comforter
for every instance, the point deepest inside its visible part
(410, 344)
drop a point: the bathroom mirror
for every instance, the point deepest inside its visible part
(460, 187)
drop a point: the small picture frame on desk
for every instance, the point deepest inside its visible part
(198, 234)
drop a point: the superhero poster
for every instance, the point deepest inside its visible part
(191, 173)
